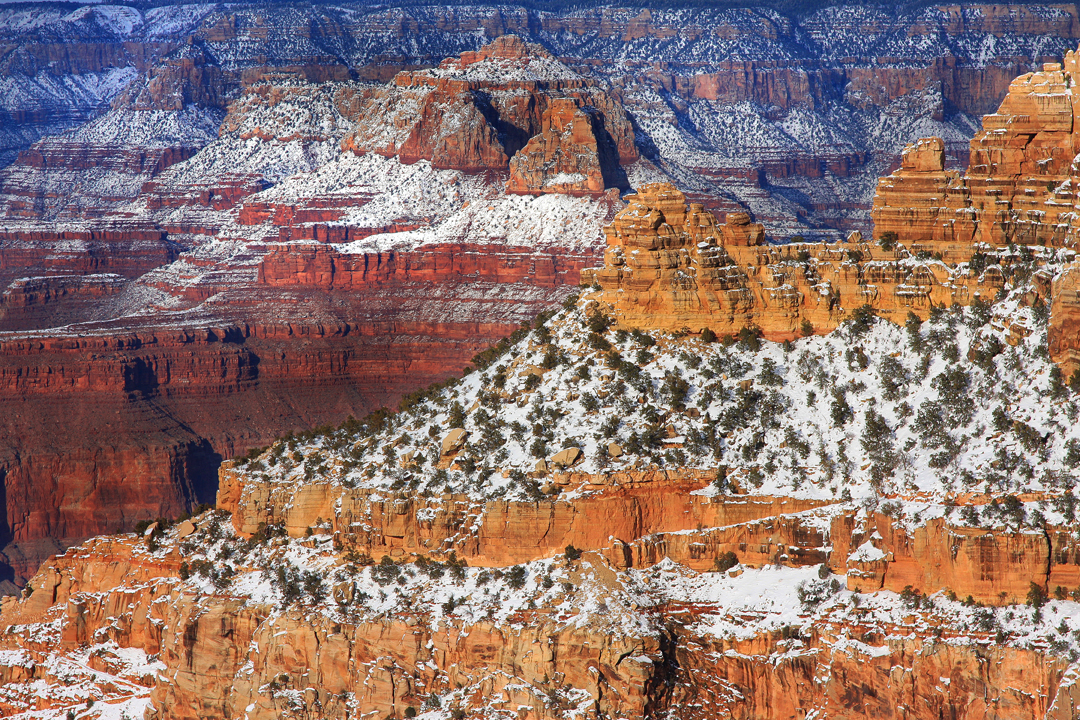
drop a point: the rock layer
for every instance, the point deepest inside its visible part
(510, 104)
(672, 266)
(1019, 187)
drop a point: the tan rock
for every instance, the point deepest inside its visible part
(566, 457)
(185, 529)
(670, 266)
(614, 450)
(1019, 185)
(454, 441)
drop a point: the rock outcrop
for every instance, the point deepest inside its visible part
(508, 105)
(671, 265)
(1019, 187)
(221, 652)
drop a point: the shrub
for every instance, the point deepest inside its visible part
(769, 374)
(861, 319)
(725, 562)
(979, 313)
(840, 412)
(515, 577)
(598, 323)
(1036, 596)
(913, 326)
(749, 338)
(910, 597)
(572, 553)
(887, 240)
(708, 336)
(893, 376)
(813, 593)
(457, 415)
(878, 444)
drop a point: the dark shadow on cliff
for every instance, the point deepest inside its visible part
(202, 465)
(607, 152)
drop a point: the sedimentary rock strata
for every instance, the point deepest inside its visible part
(1019, 185)
(510, 104)
(424, 560)
(672, 265)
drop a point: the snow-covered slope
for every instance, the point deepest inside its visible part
(936, 409)
(794, 118)
(881, 432)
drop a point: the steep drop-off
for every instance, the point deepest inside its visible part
(315, 289)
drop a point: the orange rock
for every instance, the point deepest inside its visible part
(1019, 187)
(670, 266)
(562, 158)
(508, 106)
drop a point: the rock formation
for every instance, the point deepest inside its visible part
(1019, 186)
(212, 311)
(508, 103)
(672, 265)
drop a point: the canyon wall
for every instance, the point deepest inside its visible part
(108, 428)
(220, 652)
(671, 265)
(732, 101)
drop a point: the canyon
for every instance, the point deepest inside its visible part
(706, 474)
(634, 580)
(226, 216)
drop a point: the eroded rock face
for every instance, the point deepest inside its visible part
(224, 654)
(1020, 184)
(508, 105)
(563, 157)
(1021, 187)
(1063, 333)
(672, 265)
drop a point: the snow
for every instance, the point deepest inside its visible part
(792, 444)
(866, 553)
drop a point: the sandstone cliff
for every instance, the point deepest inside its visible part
(508, 104)
(1018, 186)
(671, 265)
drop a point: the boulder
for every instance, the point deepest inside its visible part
(614, 450)
(185, 529)
(566, 457)
(454, 441)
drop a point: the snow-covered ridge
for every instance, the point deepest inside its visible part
(936, 410)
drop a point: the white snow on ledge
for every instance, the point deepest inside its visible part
(866, 553)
